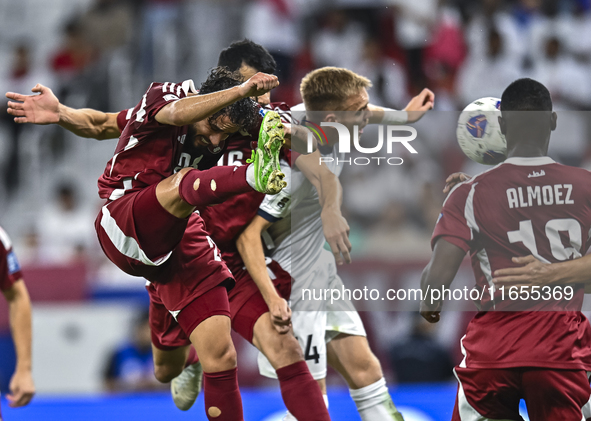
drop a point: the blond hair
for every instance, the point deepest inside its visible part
(327, 88)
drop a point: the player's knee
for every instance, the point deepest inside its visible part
(228, 358)
(220, 358)
(285, 351)
(164, 373)
(365, 371)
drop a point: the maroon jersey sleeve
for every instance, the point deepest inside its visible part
(10, 271)
(452, 224)
(156, 97)
(122, 118)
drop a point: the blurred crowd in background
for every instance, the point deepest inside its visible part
(104, 53)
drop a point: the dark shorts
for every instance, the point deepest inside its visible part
(246, 302)
(246, 306)
(169, 333)
(176, 255)
(494, 394)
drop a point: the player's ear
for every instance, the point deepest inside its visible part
(553, 120)
(502, 125)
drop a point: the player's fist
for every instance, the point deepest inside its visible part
(21, 388)
(42, 108)
(419, 105)
(430, 313)
(258, 85)
(280, 315)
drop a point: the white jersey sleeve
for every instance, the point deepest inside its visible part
(278, 206)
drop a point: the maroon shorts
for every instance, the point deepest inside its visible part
(176, 255)
(549, 394)
(168, 333)
(246, 307)
(246, 302)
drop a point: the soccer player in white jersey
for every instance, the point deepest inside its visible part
(333, 334)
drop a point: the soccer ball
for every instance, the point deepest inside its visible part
(479, 133)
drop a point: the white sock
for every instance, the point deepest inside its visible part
(289, 417)
(374, 402)
(250, 179)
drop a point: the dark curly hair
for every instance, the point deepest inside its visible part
(243, 113)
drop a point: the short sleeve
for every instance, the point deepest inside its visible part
(452, 224)
(123, 117)
(278, 206)
(10, 270)
(156, 97)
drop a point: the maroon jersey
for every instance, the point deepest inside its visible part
(10, 271)
(523, 206)
(225, 221)
(147, 151)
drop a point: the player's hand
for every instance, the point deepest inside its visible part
(430, 313)
(455, 178)
(21, 388)
(36, 109)
(280, 315)
(531, 272)
(336, 232)
(258, 85)
(419, 105)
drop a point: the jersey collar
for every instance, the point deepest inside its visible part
(534, 161)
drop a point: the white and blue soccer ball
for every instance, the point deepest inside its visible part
(479, 133)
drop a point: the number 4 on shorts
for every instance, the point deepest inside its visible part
(315, 356)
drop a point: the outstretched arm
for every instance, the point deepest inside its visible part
(330, 192)
(198, 107)
(440, 272)
(44, 108)
(21, 384)
(533, 272)
(415, 109)
(250, 247)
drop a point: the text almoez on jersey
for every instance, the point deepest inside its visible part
(344, 145)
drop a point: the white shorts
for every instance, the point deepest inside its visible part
(315, 328)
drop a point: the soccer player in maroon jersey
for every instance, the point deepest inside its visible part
(148, 226)
(13, 287)
(247, 308)
(537, 349)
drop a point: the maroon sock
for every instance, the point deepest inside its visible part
(301, 393)
(213, 186)
(222, 396)
(192, 358)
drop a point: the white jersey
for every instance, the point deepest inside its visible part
(296, 239)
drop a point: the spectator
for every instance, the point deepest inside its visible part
(65, 228)
(491, 14)
(488, 75)
(274, 25)
(107, 25)
(419, 358)
(130, 367)
(339, 43)
(570, 86)
(387, 76)
(415, 23)
(22, 77)
(74, 55)
(567, 80)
